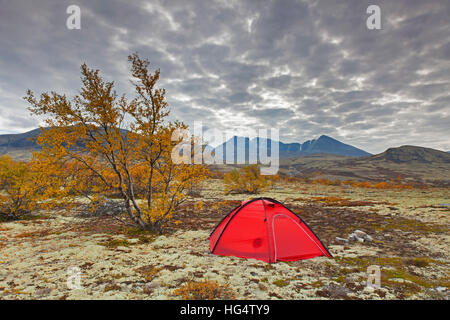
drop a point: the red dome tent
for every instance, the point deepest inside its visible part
(265, 229)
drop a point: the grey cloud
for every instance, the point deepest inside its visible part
(278, 82)
(311, 64)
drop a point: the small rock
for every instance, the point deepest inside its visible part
(44, 291)
(441, 289)
(341, 240)
(153, 285)
(360, 236)
(253, 273)
(123, 249)
(133, 241)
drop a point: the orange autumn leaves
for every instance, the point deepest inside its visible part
(100, 143)
(245, 180)
(38, 184)
(393, 184)
(18, 194)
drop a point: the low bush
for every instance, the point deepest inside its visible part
(17, 190)
(204, 290)
(246, 180)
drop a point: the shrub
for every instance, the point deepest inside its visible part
(115, 145)
(204, 290)
(245, 180)
(18, 192)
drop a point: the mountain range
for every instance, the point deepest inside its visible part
(322, 145)
(322, 157)
(19, 140)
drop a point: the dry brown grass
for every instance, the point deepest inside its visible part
(149, 272)
(204, 290)
(35, 234)
(334, 201)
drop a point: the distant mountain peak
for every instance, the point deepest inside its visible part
(324, 136)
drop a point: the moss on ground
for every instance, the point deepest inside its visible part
(409, 225)
(114, 243)
(396, 272)
(281, 283)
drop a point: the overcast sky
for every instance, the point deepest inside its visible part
(305, 67)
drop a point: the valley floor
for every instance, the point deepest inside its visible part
(410, 231)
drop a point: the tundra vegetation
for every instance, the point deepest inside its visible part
(247, 179)
(18, 193)
(409, 242)
(204, 290)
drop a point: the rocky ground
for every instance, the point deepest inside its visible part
(408, 239)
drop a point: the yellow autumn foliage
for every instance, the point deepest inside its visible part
(16, 189)
(245, 180)
(204, 290)
(100, 143)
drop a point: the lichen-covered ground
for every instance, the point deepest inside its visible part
(410, 231)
